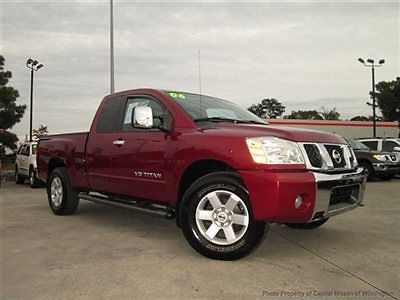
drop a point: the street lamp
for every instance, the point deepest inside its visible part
(371, 64)
(34, 65)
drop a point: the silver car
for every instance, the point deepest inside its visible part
(25, 164)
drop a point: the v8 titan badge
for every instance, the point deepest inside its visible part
(153, 175)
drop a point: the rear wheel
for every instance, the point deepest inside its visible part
(217, 219)
(311, 225)
(18, 178)
(63, 199)
(33, 180)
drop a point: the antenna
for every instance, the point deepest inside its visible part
(201, 104)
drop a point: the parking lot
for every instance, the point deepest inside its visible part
(105, 252)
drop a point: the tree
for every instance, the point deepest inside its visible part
(361, 118)
(330, 114)
(10, 112)
(41, 131)
(257, 109)
(388, 99)
(364, 118)
(268, 108)
(304, 115)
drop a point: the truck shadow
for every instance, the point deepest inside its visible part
(281, 242)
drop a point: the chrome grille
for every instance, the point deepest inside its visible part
(313, 155)
(328, 156)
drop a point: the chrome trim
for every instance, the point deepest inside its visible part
(326, 183)
(327, 164)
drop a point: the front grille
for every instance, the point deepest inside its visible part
(329, 157)
(344, 194)
(313, 155)
(337, 156)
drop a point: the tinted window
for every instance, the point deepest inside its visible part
(25, 150)
(357, 145)
(160, 114)
(111, 115)
(389, 145)
(371, 144)
(20, 149)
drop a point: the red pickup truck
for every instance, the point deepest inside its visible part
(220, 170)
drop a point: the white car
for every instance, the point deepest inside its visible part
(25, 164)
(382, 144)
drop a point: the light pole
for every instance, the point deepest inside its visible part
(34, 65)
(111, 47)
(371, 64)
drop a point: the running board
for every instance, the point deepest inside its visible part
(166, 212)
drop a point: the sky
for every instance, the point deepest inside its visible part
(302, 53)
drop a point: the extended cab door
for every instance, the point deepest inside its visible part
(103, 134)
(138, 160)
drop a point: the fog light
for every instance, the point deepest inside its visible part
(298, 202)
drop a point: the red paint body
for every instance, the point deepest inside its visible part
(95, 164)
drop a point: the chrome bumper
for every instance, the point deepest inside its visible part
(338, 193)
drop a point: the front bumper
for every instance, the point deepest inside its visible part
(338, 193)
(386, 168)
(273, 194)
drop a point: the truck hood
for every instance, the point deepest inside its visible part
(288, 133)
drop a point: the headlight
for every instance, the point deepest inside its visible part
(274, 151)
(380, 157)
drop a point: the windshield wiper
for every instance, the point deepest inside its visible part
(220, 119)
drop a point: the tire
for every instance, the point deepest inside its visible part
(228, 208)
(34, 182)
(18, 178)
(63, 200)
(368, 170)
(311, 225)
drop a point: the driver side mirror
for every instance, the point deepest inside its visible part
(142, 117)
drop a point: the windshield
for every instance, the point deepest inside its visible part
(206, 108)
(358, 145)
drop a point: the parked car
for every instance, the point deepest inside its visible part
(220, 170)
(384, 165)
(25, 164)
(382, 144)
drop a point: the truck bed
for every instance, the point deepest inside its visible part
(67, 150)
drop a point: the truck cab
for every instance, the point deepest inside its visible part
(221, 171)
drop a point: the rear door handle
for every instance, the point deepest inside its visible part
(119, 142)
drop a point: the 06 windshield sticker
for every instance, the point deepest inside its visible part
(177, 95)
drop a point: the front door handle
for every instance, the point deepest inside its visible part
(119, 143)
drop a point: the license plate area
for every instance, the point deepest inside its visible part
(344, 194)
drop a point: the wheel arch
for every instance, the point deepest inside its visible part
(195, 171)
(55, 162)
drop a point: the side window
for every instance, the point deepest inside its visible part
(373, 145)
(20, 149)
(160, 113)
(389, 145)
(111, 115)
(25, 150)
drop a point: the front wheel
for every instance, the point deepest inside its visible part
(217, 218)
(63, 199)
(311, 225)
(369, 172)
